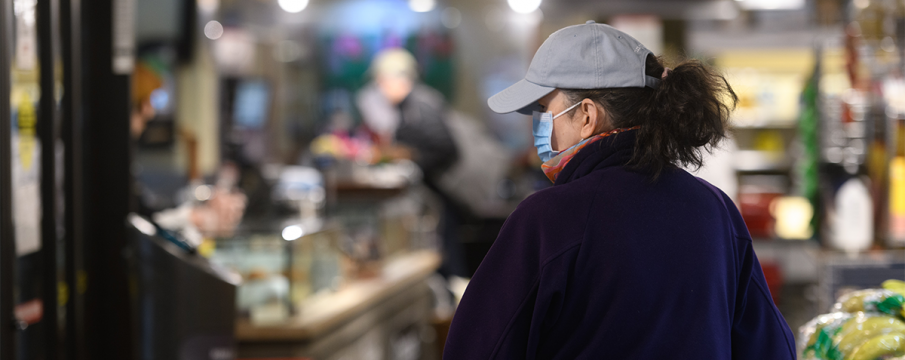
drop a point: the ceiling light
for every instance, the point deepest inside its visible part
(213, 30)
(421, 5)
(772, 4)
(524, 6)
(293, 6)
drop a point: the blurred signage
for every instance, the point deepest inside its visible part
(27, 120)
(26, 176)
(30, 312)
(771, 4)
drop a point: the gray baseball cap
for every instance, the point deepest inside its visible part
(586, 56)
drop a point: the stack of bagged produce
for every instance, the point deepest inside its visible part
(864, 325)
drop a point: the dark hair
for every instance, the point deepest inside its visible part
(688, 112)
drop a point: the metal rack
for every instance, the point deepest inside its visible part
(840, 272)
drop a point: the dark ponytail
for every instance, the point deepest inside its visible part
(687, 114)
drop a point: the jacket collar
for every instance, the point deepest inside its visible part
(614, 150)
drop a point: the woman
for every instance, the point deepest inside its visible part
(627, 256)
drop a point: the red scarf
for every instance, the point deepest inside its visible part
(554, 166)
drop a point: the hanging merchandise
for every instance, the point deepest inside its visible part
(859, 92)
(897, 200)
(852, 223)
(808, 133)
(894, 92)
(847, 211)
(880, 24)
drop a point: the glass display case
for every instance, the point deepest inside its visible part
(278, 274)
(290, 262)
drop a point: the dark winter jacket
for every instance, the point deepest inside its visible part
(607, 264)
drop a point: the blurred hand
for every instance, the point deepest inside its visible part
(221, 214)
(229, 206)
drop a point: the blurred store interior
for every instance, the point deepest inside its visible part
(228, 179)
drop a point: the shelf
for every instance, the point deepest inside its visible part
(761, 161)
(321, 314)
(792, 126)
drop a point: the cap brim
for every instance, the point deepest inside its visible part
(521, 96)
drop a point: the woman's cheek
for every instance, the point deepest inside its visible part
(563, 137)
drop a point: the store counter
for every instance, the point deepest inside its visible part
(383, 317)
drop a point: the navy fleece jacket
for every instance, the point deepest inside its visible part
(609, 265)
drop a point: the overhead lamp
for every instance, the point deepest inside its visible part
(422, 5)
(524, 6)
(771, 4)
(213, 30)
(293, 6)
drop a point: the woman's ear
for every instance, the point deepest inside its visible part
(591, 115)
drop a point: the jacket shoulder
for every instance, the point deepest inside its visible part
(568, 198)
(556, 216)
(739, 228)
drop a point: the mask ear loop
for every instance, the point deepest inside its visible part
(567, 110)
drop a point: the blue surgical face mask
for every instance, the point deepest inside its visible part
(543, 132)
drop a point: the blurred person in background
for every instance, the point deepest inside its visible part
(627, 256)
(409, 120)
(224, 208)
